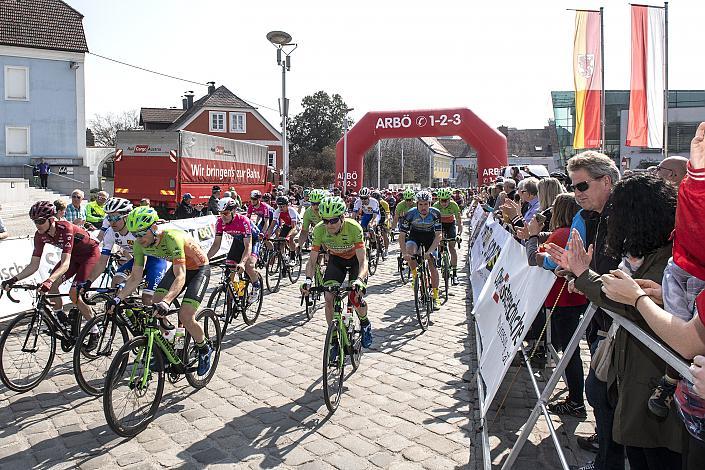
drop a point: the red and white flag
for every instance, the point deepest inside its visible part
(646, 98)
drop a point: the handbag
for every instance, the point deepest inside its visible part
(602, 359)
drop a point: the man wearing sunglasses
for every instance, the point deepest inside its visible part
(452, 225)
(261, 209)
(422, 226)
(285, 219)
(189, 271)
(79, 254)
(366, 210)
(342, 238)
(75, 212)
(672, 169)
(116, 233)
(312, 214)
(95, 213)
(405, 205)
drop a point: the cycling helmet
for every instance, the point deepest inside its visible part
(141, 218)
(117, 204)
(227, 204)
(266, 197)
(365, 192)
(254, 194)
(408, 194)
(281, 200)
(307, 192)
(42, 210)
(444, 193)
(332, 206)
(376, 195)
(423, 196)
(316, 196)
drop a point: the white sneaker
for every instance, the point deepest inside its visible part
(254, 295)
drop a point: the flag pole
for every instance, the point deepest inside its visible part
(603, 123)
(665, 80)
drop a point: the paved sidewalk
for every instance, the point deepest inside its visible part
(408, 406)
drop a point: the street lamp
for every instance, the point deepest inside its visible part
(345, 151)
(281, 40)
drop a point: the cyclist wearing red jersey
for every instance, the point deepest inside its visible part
(79, 254)
(287, 220)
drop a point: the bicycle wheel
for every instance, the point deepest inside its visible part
(295, 271)
(332, 372)
(355, 337)
(129, 404)
(220, 302)
(274, 272)
(445, 267)
(371, 258)
(26, 351)
(404, 270)
(91, 366)
(252, 302)
(211, 327)
(420, 294)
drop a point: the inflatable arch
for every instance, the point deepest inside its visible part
(490, 144)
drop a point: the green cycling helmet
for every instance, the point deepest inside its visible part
(408, 194)
(141, 218)
(331, 207)
(316, 196)
(444, 193)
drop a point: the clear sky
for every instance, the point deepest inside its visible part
(500, 58)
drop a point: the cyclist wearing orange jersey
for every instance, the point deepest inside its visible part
(190, 271)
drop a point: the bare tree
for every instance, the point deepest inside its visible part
(105, 126)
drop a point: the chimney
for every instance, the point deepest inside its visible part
(188, 99)
(184, 103)
(211, 87)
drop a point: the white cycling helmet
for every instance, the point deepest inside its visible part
(227, 204)
(255, 194)
(423, 196)
(117, 204)
(365, 192)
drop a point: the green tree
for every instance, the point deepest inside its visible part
(313, 134)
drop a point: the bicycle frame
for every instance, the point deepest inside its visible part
(342, 329)
(154, 336)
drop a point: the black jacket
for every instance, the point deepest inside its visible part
(213, 205)
(184, 211)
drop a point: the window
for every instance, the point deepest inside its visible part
(16, 83)
(216, 122)
(272, 159)
(16, 141)
(238, 122)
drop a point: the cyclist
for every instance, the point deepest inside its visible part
(189, 271)
(342, 238)
(311, 216)
(79, 254)
(244, 247)
(422, 226)
(116, 233)
(404, 205)
(261, 209)
(286, 219)
(366, 210)
(452, 224)
(95, 210)
(384, 219)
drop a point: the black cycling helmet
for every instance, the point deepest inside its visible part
(282, 200)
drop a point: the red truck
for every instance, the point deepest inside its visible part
(164, 165)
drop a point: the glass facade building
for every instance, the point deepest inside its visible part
(616, 101)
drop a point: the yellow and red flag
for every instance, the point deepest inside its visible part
(587, 75)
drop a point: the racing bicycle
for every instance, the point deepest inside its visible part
(236, 295)
(423, 292)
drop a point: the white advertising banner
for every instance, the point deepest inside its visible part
(491, 237)
(508, 305)
(16, 253)
(476, 217)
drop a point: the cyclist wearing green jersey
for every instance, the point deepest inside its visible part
(404, 205)
(343, 239)
(189, 271)
(311, 216)
(452, 224)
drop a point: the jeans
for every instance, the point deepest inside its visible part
(564, 322)
(611, 455)
(43, 178)
(693, 453)
(658, 458)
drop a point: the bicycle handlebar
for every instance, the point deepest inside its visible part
(20, 287)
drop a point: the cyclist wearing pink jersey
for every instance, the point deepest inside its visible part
(261, 209)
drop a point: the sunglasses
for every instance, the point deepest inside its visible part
(584, 185)
(444, 200)
(39, 221)
(140, 234)
(76, 197)
(255, 197)
(331, 221)
(365, 198)
(114, 218)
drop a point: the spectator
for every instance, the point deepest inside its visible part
(43, 168)
(235, 195)
(510, 187)
(593, 175)
(145, 202)
(672, 169)
(549, 189)
(94, 210)
(184, 210)
(213, 200)
(199, 209)
(226, 194)
(529, 193)
(60, 205)
(516, 174)
(3, 233)
(75, 212)
(641, 219)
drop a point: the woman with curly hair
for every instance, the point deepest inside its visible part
(642, 212)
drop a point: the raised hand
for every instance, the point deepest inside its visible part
(697, 148)
(578, 259)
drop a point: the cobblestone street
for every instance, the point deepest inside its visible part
(408, 406)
